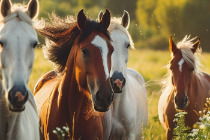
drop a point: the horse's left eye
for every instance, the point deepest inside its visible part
(34, 44)
(128, 45)
(1, 44)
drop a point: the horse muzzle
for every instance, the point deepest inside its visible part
(17, 96)
(118, 82)
(102, 102)
(181, 103)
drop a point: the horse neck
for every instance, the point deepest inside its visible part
(199, 87)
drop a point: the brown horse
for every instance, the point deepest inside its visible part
(186, 88)
(80, 87)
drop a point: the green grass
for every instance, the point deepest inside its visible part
(151, 64)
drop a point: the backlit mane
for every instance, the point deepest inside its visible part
(185, 45)
(116, 25)
(18, 11)
(61, 34)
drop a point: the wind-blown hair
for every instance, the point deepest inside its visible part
(185, 46)
(61, 35)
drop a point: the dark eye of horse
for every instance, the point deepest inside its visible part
(1, 44)
(34, 44)
(85, 52)
(128, 45)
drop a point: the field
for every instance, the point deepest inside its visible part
(151, 64)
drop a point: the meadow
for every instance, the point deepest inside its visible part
(152, 64)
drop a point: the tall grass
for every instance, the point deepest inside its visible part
(151, 64)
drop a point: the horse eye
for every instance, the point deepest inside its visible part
(34, 44)
(85, 52)
(128, 45)
(1, 44)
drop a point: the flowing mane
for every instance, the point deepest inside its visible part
(61, 34)
(185, 45)
(116, 25)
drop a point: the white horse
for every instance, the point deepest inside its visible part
(129, 112)
(18, 115)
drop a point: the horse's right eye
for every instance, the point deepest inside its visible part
(1, 44)
(85, 52)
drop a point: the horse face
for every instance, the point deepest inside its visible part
(17, 42)
(93, 63)
(181, 76)
(121, 43)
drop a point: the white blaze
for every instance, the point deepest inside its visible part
(100, 43)
(180, 63)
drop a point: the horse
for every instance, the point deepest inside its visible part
(129, 108)
(18, 114)
(186, 87)
(78, 92)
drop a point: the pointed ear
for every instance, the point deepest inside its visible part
(105, 20)
(5, 7)
(125, 19)
(196, 45)
(81, 20)
(172, 46)
(100, 15)
(33, 8)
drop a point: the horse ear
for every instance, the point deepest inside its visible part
(5, 7)
(125, 19)
(100, 15)
(33, 8)
(105, 19)
(172, 46)
(81, 20)
(196, 45)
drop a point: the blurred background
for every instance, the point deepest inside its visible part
(152, 21)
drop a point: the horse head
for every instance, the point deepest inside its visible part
(18, 39)
(182, 67)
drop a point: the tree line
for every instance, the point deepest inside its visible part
(152, 21)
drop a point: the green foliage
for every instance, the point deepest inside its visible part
(62, 133)
(181, 131)
(201, 130)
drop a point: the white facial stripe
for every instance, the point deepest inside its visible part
(180, 63)
(100, 43)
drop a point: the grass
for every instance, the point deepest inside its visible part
(151, 64)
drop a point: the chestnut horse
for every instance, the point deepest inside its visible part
(80, 87)
(187, 87)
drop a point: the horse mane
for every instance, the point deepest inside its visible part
(18, 11)
(61, 34)
(185, 46)
(116, 25)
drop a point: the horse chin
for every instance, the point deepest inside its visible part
(180, 109)
(101, 109)
(16, 109)
(117, 90)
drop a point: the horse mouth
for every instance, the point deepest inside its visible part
(16, 108)
(100, 108)
(117, 90)
(180, 108)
